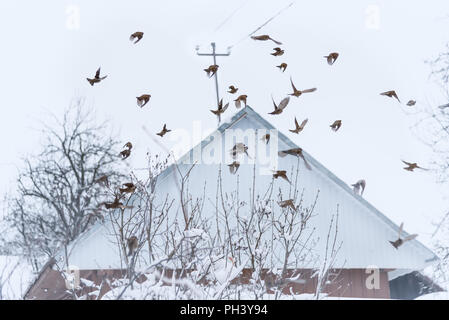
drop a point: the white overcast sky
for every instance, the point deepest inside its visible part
(46, 56)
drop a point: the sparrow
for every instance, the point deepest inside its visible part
(265, 37)
(331, 58)
(282, 66)
(299, 128)
(211, 70)
(128, 145)
(233, 167)
(282, 105)
(359, 186)
(399, 242)
(336, 125)
(297, 93)
(266, 138)
(136, 35)
(412, 166)
(238, 148)
(390, 94)
(133, 243)
(281, 174)
(241, 98)
(103, 180)
(277, 52)
(287, 203)
(116, 204)
(143, 100)
(232, 89)
(295, 152)
(411, 103)
(129, 188)
(163, 131)
(220, 108)
(125, 153)
(97, 78)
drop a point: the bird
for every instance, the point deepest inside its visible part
(163, 131)
(239, 100)
(298, 127)
(103, 180)
(412, 166)
(136, 35)
(282, 105)
(233, 167)
(390, 94)
(295, 152)
(266, 138)
(331, 58)
(281, 174)
(400, 241)
(287, 203)
(282, 66)
(265, 37)
(359, 186)
(336, 125)
(129, 188)
(97, 78)
(220, 108)
(296, 92)
(411, 103)
(211, 70)
(239, 148)
(116, 204)
(277, 52)
(143, 100)
(232, 89)
(133, 243)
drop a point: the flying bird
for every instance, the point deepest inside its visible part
(128, 145)
(233, 89)
(287, 203)
(279, 108)
(220, 108)
(266, 138)
(239, 148)
(282, 66)
(412, 166)
(400, 241)
(233, 167)
(211, 70)
(133, 243)
(125, 153)
(359, 187)
(97, 78)
(239, 100)
(411, 103)
(331, 58)
(129, 188)
(143, 100)
(391, 94)
(163, 131)
(265, 37)
(277, 52)
(297, 93)
(295, 152)
(138, 35)
(299, 127)
(336, 125)
(281, 174)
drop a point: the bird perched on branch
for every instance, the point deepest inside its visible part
(331, 58)
(133, 243)
(143, 100)
(266, 138)
(400, 241)
(239, 148)
(103, 180)
(232, 89)
(299, 127)
(220, 108)
(359, 187)
(336, 125)
(116, 204)
(295, 152)
(412, 166)
(282, 66)
(233, 167)
(281, 174)
(127, 152)
(297, 93)
(411, 103)
(391, 94)
(277, 52)
(239, 100)
(97, 78)
(129, 188)
(287, 203)
(138, 35)
(211, 70)
(163, 131)
(279, 108)
(265, 37)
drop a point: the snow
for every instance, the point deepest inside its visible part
(444, 295)
(16, 275)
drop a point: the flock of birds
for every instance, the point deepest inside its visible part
(241, 148)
